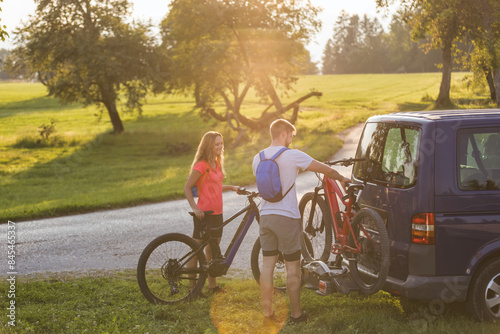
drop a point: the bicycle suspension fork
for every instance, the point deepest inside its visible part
(309, 227)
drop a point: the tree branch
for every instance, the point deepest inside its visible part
(215, 115)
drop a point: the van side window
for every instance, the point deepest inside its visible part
(479, 159)
(391, 155)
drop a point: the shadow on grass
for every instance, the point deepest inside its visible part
(37, 104)
(107, 169)
(414, 106)
(478, 102)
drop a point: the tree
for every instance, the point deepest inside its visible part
(442, 23)
(340, 52)
(85, 52)
(405, 54)
(3, 33)
(485, 30)
(223, 48)
(357, 46)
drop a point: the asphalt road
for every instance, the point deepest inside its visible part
(114, 239)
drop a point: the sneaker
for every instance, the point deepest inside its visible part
(215, 290)
(302, 318)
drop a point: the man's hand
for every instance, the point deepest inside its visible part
(345, 182)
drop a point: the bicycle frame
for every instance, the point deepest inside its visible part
(252, 212)
(332, 190)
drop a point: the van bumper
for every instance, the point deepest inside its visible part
(448, 289)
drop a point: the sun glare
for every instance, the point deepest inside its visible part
(238, 310)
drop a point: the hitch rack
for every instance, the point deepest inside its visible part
(326, 278)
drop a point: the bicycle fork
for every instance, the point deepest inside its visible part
(309, 229)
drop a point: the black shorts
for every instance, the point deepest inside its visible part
(213, 221)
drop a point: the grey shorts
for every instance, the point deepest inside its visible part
(280, 233)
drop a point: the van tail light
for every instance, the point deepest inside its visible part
(422, 229)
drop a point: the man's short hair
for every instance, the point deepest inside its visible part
(280, 125)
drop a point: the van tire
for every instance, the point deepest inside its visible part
(485, 285)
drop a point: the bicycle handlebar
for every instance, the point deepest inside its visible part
(244, 191)
(240, 191)
(344, 162)
(209, 212)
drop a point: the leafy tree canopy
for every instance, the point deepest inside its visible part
(85, 51)
(222, 48)
(3, 33)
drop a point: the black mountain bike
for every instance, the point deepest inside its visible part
(173, 267)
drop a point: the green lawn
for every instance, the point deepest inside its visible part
(110, 302)
(83, 167)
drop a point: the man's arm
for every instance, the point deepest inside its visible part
(319, 167)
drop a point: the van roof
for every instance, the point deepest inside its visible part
(441, 115)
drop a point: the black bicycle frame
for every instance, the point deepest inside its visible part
(251, 213)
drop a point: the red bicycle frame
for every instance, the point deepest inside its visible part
(341, 219)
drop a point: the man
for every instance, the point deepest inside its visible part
(280, 224)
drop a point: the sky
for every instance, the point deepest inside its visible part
(13, 11)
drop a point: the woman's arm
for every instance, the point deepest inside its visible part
(190, 183)
(233, 188)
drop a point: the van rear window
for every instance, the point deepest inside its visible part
(390, 153)
(479, 159)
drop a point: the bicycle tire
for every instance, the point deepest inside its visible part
(320, 237)
(279, 270)
(158, 276)
(370, 267)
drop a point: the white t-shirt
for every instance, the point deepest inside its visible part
(289, 163)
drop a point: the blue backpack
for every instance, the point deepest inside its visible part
(268, 178)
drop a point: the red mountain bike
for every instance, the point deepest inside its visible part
(359, 235)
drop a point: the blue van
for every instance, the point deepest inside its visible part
(434, 177)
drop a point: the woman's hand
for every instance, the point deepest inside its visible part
(199, 213)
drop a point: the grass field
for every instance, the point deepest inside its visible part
(83, 167)
(112, 303)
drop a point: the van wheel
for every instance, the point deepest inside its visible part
(483, 301)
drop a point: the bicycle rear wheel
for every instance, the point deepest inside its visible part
(318, 234)
(370, 267)
(163, 274)
(279, 270)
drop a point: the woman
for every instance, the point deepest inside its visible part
(207, 173)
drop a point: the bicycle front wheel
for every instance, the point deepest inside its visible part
(370, 267)
(279, 269)
(317, 230)
(164, 272)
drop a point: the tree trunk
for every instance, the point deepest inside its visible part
(443, 100)
(496, 79)
(486, 11)
(197, 96)
(491, 84)
(115, 117)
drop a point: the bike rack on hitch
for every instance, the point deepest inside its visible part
(327, 279)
